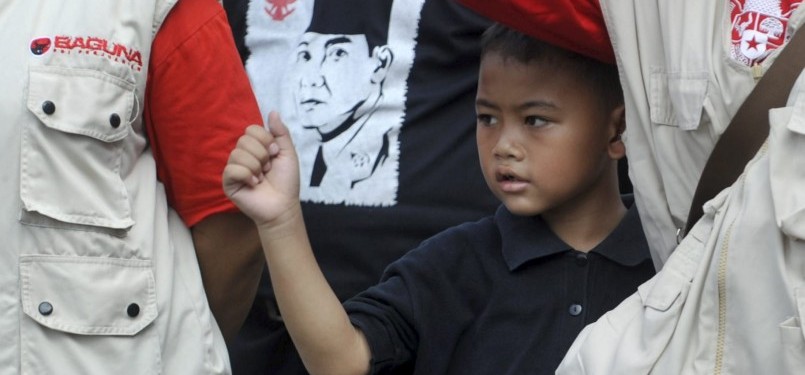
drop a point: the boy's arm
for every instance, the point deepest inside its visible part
(262, 178)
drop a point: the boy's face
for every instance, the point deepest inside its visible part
(543, 139)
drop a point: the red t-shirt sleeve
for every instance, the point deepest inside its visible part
(577, 25)
(198, 102)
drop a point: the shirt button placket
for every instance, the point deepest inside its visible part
(581, 260)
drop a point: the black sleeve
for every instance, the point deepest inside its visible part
(384, 313)
(236, 15)
(424, 301)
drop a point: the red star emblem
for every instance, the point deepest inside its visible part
(752, 43)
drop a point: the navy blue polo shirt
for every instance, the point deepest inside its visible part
(503, 295)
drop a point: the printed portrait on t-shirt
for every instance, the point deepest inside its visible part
(337, 72)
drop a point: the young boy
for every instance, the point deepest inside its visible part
(504, 295)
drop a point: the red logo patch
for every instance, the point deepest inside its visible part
(279, 9)
(99, 47)
(40, 45)
(759, 27)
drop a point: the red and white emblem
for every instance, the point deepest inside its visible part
(279, 9)
(759, 27)
(759, 32)
(40, 45)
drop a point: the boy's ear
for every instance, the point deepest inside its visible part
(617, 125)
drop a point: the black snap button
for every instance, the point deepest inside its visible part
(575, 309)
(45, 308)
(581, 260)
(114, 120)
(133, 310)
(48, 107)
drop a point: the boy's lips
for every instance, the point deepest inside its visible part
(509, 181)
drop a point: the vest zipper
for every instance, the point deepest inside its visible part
(722, 278)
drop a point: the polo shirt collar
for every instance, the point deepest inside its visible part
(627, 244)
(526, 238)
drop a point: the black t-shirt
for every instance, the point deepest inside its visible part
(503, 295)
(419, 140)
(439, 181)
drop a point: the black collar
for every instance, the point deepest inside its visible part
(525, 238)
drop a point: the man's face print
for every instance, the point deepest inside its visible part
(335, 78)
(337, 71)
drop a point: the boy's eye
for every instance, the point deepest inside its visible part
(486, 120)
(535, 121)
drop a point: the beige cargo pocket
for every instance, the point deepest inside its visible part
(663, 298)
(665, 295)
(71, 157)
(677, 98)
(792, 336)
(86, 315)
(681, 126)
(787, 166)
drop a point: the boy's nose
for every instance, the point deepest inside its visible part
(508, 147)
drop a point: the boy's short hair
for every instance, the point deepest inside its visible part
(511, 44)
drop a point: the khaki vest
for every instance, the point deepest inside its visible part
(681, 88)
(97, 275)
(730, 299)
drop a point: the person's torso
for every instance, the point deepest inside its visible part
(83, 214)
(412, 169)
(686, 68)
(482, 310)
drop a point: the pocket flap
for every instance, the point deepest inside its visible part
(786, 163)
(660, 292)
(81, 101)
(677, 98)
(674, 280)
(799, 296)
(88, 295)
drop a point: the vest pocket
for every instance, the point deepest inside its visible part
(787, 166)
(792, 336)
(663, 299)
(81, 314)
(664, 296)
(71, 157)
(677, 99)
